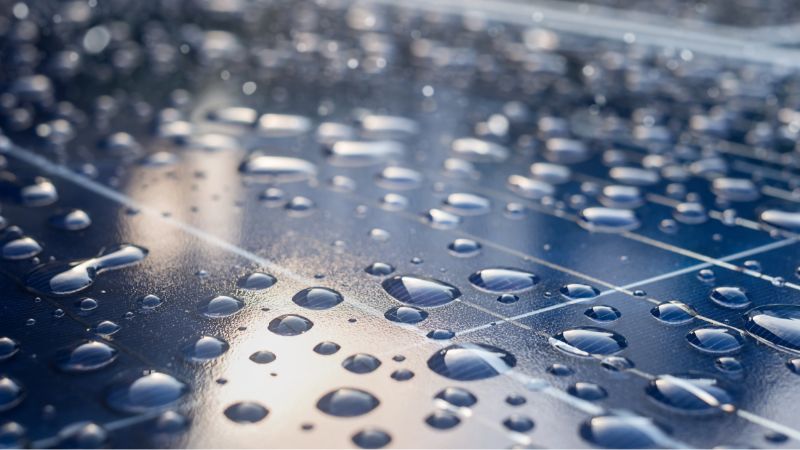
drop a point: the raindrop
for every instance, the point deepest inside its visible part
(464, 248)
(221, 306)
(735, 189)
(361, 363)
(317, 298)
(11, 393)
(627, 431)
(530, 188)
(379, 269)
(466, 204)
(87, 357)
(775, 325)
(257, 281)
(406, 314)
(442, 420)
(363, 153)
(150, 391)
(290, 325)
(440, 219)
(372, 438)
(262, 357)
(8, 348)
(205, 349)
(608, 220)
(602, 313)
(246, 412)
(518, 423)
(347, 402)
(730, 297)
(106, 328)
(588, 341)
(466, 362)
(781, 219)
(690, 394)
(70, 220)
(64, 278)
(478, 150)
(327, 348)
(41, 193)
(587, 391)
(691, 213)
(458, 397)
(673, 313)
(402, 375)
(150, 302)
(419, 291)
(577, 291)
(398, 178)
(441, 335)
(713, 339)
(21, 248)
(503, 280)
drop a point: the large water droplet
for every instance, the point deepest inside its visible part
(673, 313)
(361, 363)
(588, 341)
(257, 281)
(608, 220)
(89, 356)
(246, 412)
(21, 248)
(205, 349)
(730, 297)
(347, 402)
(149, 391)
(41, 193)
(715, 340)
(290, 325)
(625, 432)
(317, 298)
(420, 291)
(500, 280)
(775, 325)
(8, 348)
(70, 220)
(277, 169)
(781, 219)
(467, 362)
(11, 393)
(64, 278)
(221, 306)
(690, 394)
(578, 291)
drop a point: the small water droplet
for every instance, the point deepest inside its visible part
(290, 325)
(420, 291)
(361, 363)
(86, 357)
(503, 280)
(221, 306)
(587, 341)
(317, 298)
(246, 412)
(347, 402)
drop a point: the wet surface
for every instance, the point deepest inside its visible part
(340, 225)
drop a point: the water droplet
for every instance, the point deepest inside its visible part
(729, 366)
(257, 281)
(379, 235)
(466, 204)
(464, 248)
(691, 213)
(775, 325)
(634, 176)
(300, 206)
(283, 125)
(233, 115)
(379, 269)
(41, 193)
(780, 219)
(479, 150)
(508, 298)
(551, 173)
(608, 220)
(398, 178)
(64, 278)
(466, 362)
(706, 275)
(21, 248)
(566, 151)
(794, 365)
(83, 435)
(327, 348)
(402, 375)
(361, 363)
(673, 313)
(381, 126)
(106, 328)
(87, 357)
(363, 153)
(317, 298)
(12, 435)
(11, 393)
(70, 220)
(715, 340)
(290, 325)
(263, 357)
(530, 188)
(394, 202)
(149, 391)
(205, 349)
(150, 302)
(730, 297)
(246, 412)
(617, 196)
(406, 314)
(518, 423)
(587, 341)
(440, 219)
(602, 313)
(503, 280)
(625, 432)
(587, 391)
(442, 420)
(87, 304)
(735, 189)
(458, 397)
(560, 370)
(221, 306)
(441, 335)
(8, 348)
(577, 291)
(372, 438)
(690, 394)
(419, 291)
(347, 402)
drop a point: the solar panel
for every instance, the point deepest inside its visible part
(335, 224)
